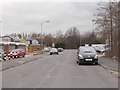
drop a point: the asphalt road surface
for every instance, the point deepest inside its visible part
(58, 71)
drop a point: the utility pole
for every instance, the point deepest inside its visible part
(111, 24)
(66, 41)
(80, 39)
(0, 32)
(119, 30)
(41, 35)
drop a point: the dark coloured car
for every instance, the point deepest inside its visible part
(16, 53)
(87, 54)
(53, 51)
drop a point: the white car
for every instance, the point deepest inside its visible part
(53, 51)
(60, 49)
(46, 50)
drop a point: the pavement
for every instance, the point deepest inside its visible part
(110, 64)
(19, 61)
(58, 71)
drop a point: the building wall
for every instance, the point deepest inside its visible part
(33, 48)
(6, 48)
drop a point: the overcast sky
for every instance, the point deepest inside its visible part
(18, 17)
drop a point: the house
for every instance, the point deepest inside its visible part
(30, 45)
(33, 45)
(7, 43)
(7, 39)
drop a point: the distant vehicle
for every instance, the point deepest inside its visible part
(108, 49)
(53, 51)
(87, 54)
(97, 49)
(60, 49)
(100, 48)
(2, 55)
(46, 49)
(16, 53)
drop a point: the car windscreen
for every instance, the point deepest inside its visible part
(87, 50)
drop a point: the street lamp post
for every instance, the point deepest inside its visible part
(0, 32)
(67, 36)
(53, 41)
(66, 42)
(93, 22)
(42, 32)
(111, 24)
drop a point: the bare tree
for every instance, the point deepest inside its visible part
(72, 38)
(107, 25)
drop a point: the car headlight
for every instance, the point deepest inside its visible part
(96, 57)
(80, 56)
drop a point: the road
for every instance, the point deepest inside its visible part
(58, 71)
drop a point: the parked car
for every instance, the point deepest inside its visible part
(2, 55)
(46, 49)
(87, 54)
(99, 48)
(16, 53)
(60, 49)
(108, 49)
(53, 51)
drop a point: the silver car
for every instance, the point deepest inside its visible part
(87, 54)
(53, 51)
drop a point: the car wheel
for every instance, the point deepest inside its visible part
(9, 58)
(50, 53)
(12, 57)
(16, 56)
(96, 63)
(4, 59)
(77, 61)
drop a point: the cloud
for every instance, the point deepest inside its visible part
(27, 16)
